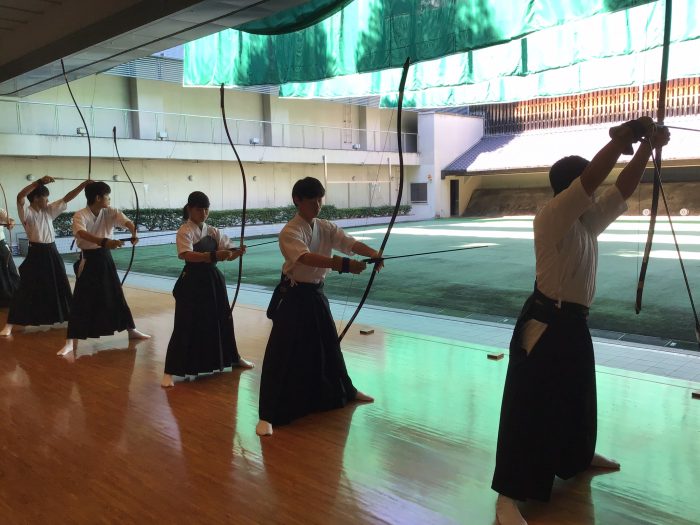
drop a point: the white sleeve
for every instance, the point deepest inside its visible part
(56, 208)
(223, 241)
(183, 240)
(561, 212)
(22, 212)
(292, 244)
(605, 210)
(119, 219)
(78, 223)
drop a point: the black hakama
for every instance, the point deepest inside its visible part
(9, 278)
(99, 307)
(203, 339)
(549, 412)
(44, 294)
(303, 370)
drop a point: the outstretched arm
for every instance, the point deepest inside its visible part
(361, 248)
(334, 263)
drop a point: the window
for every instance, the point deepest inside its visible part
(419, 192)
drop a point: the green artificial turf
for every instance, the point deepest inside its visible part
(491, 281)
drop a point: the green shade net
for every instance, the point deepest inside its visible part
(295, 19)
(373, 35)
(605, 51)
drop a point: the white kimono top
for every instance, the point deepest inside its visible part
(101, 225)
(299, 237)
(190, 233)
(38, 225)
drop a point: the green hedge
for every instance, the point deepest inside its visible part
(168, 219)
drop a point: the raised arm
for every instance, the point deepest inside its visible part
(74, 193)
(604, 161)
(601, 165)
(43, 181)
(629, 177)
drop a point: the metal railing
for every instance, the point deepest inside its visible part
(44, 118)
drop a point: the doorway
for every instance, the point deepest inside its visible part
(454, 198)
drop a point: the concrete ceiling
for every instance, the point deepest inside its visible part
(94, 36)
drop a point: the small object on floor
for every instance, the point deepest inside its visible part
(696, 395)
(495, 357)
(369, 331)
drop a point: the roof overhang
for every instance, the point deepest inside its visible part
(536, 151)
(95, 36)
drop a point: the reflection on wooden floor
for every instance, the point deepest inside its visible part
(97, 440)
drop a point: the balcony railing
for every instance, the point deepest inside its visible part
(42, 118)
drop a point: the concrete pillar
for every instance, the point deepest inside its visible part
(267, 119)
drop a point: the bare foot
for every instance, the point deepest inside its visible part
(599, 461)
(364, 398)
(507, 512)
(167, 381)
(70, 346)
(244, 363)
(7, 331)
(263, 428)
(135, 334)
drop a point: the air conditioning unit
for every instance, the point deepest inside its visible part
(162, 135)
(81, 131)
(357, 146)
(254, 141)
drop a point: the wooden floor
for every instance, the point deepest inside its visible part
(97, 440)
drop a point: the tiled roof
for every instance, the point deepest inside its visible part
(541, 148)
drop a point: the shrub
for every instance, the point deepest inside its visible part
(169, 219)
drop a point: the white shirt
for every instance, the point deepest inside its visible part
(299, 237)
(4, 219)
(100, 226)
(38, 225)
(566, 245)
(190, 233)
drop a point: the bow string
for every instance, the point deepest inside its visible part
(657, 189)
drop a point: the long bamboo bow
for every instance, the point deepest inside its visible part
(658, 186)
(402, 86)
(245, 199)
